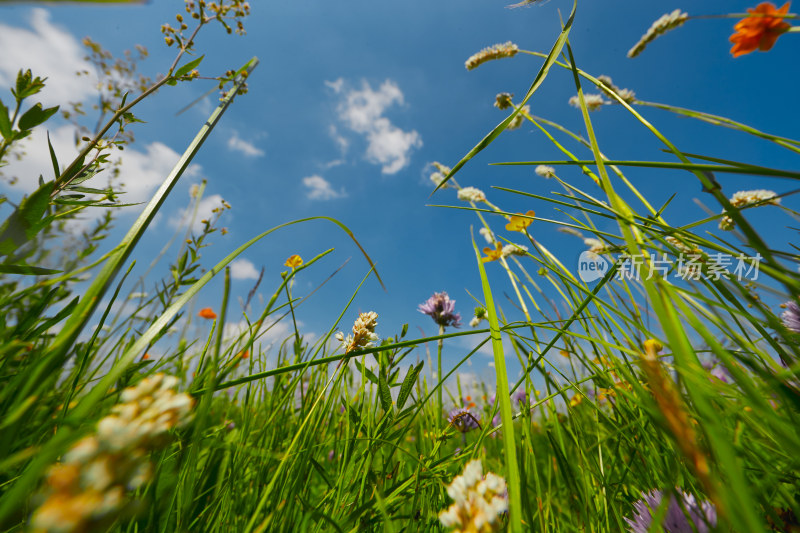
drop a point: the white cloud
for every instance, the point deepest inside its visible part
(362, 111)
(320, 189)
(243, 269)
(237, 144)
(49, 51)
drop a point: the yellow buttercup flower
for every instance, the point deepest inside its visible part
(294, 261)
(519, 221)
(493, 255)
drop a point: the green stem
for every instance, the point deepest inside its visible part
(439, 403)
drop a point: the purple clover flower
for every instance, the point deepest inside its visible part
(701, 516)
(717, 370)
(521, 397)
(463, 420)
(441, 309)
(791, 317)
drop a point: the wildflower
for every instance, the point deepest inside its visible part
(487, 234)
(718, 371)
(576, 400)
(653, 346)
(493, 255)
(683, 247)
(496, 51)
(744, 199)
(791, 317)
(665, 23)
(207, 313)
(194, 190)
(471, 194)
(514, 249)
(480, 315)
(503, 100)
(593, 101)
(462, 419)
(244, 354)
(545, 172)
(363, 333)
(608, 87)
(517, 121)
(519, 221)
(294, 261)
(760, 30)
(86, 490)
(685, 517)
(521, 397)
(331, 455)
(479, 501)
(441, 309)
(595, 245)
(437, 178)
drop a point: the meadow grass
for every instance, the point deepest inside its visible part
(631, 383)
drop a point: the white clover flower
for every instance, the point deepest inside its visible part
(593, 101)
(471, 194)
(545, 172)
(479, 500)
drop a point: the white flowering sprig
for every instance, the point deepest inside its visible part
(743, 199)
(479, 501)
(497, 51)
(87, 490)
(665, 23)
(363, 336)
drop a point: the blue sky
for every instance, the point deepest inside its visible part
(352, 102)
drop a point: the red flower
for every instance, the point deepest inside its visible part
(760, 30)
(208, 313)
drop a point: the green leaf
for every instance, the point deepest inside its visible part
(5, 122)
(366, 372)
(27, 270)
(53, 158)
(408, 384)
(35, 116)
(25, 222)
(385, 394)
(188, 67)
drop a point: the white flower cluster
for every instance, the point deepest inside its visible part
(520, 118)
(514, 249)
(595, 245)
(625, 94)
(545, 172)
(438, 176)
(742, 199)
(487, 234)
(471, 194)
(479, 501)
(593, 101)
(682, 247)
(86, 491)
(663, 24)
(496, 51)
(363, 336)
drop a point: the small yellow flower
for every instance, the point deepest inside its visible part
(652, 345)
(493, 255)
(294, 261)
(576, 400)
(519, 221)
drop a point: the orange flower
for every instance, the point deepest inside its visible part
(519, 221)
(760, 30)
(493, 255)
(294, 261)
(145, 357)
(208, 313)
(245, 354)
